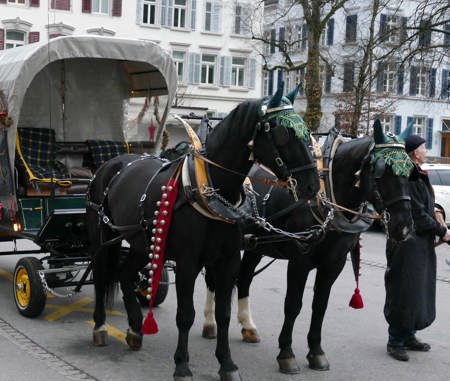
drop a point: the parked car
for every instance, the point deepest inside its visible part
(439, 175)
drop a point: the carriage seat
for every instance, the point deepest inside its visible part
(36, 157)
(103, 150)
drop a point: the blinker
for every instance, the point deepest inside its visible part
(280, 135)
(379, 168)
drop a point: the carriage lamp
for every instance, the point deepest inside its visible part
(17, 227)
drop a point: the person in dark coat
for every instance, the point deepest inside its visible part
(410, 278)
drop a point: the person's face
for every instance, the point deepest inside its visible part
(419, 154)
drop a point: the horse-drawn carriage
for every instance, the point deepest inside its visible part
(64, 107)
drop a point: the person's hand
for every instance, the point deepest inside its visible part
(446, 237)
(439, 217)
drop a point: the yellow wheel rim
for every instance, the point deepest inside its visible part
(22, 282)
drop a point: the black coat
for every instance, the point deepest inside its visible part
(410, 277)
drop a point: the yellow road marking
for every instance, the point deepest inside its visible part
(84, 309)
(67, 309)
(112, 331)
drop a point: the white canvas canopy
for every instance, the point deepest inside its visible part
(80, 85)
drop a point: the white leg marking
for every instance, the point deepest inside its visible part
(245, 314)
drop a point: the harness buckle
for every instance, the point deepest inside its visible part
(105, 220)
(279, 161)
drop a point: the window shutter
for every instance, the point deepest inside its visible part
(410, 122)
(302, 78)
(272, 40)
(86, 6)
(34, 3)
(444, 83)
(116, 8)
(194, 68)
(383, 29)
(429, 137)
(397, 124)
(304, 36)
(170, 13)
(281, 36)
(380, 75)
(413, 81)
(164, 10)
(328, 81)
(2, 39)
(251, 73)
(139, 12)
(350, 28)
(270, 87)
(63, 5)
(33, 37)
(400, 79)
(193, 14)
(349, 74)
(330, 32)
(279, 76)
(447, 35)
(225, 71)
(432, 78)
(403, 30)
(215, 17)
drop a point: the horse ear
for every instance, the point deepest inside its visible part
(293, 94)
(378, 134)
(408, 131)
(276, 98)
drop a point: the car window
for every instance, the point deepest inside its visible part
(444, 176)
(434, 177)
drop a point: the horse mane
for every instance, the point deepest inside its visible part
(239, 122)
(356, 149)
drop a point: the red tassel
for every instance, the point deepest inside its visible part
(149, 327)
(356, 300)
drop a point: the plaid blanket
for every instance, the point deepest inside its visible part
(103, 150)
(36, 152)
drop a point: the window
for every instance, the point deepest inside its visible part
(20, 2)
(149, 12)
(178, 58)
(387, 123)
(241, 20)
(421, 81)
(447, 35)
(14, 39)
(237, 71)
(267, 77)
(207, 69)
(100, 6)
(327, 35)
(179, 14)
(389, 78)
(63, 5)
(392, 26)
(325, 75)
(419, 126)
(425, 34)
(212, 16)
(350, 28)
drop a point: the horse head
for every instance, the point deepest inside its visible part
(281, 142)
(390, 167)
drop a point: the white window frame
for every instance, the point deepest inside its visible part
(156, 9)
(393, 28)
(208, 16)
(180, 64)
(266, 80)
(180, 14)
(389, 78)
(422, 81)
(208, 69)
(18, 2)
(387, 123)
(101, 4)
(13, 42)
(236, 70)
(419, 125)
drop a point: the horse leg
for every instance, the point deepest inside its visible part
(325, 278)
(134, 312)
(226, 277)
(248, 265)
(209, 325)
(297, 275)
(185, 281)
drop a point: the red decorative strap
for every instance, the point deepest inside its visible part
(159, 231)
(356, 299)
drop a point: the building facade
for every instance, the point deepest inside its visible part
(404, 89)
(208, 39)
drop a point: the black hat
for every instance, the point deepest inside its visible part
(412, 142)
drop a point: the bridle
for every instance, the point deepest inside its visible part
(278, 136)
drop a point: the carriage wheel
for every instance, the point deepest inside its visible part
(161, 294)
(29, 294)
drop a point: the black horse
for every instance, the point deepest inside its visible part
(360, 170)
(126, 200)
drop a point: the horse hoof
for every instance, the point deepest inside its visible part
(100, 337)
(209, 332)
(182, 378)
(288, 365)
(318, 361)
(232, 375)
(250, 335)
(134, 340)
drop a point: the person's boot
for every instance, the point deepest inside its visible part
(397, 352)
(416, 345)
